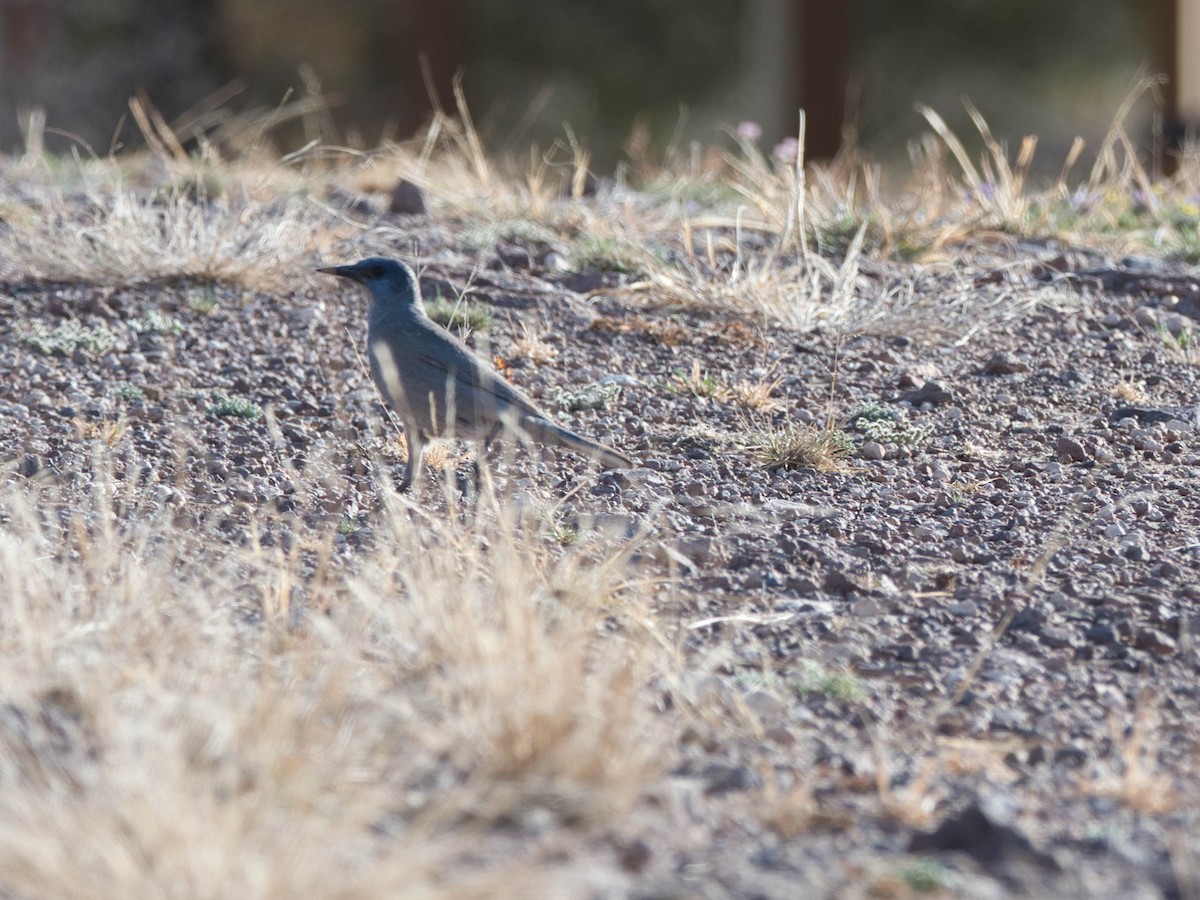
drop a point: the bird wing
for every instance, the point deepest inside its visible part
(472, 375)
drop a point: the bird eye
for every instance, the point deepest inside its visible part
(375, 272)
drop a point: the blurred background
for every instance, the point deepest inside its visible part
(657, 72)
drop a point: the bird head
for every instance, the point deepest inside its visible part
(387, 279)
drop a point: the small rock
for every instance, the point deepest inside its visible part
(1133, 551)
(931, 392)
(350, 204)
(865, 608)
(699, 550)
(1071, 756)
(873, 450)
(622, 379)
(407, 199)
(1148, 416)
(1139, 263)
(1069, 450)
(1146, 316)
(985, 832)
(1028, 619)
(634, 856)
(1001, 363)
(1155, 641)
(764, 705)
(1101, 633)
(908, 653)
(1056, 638)
(1173, 323)
(724, 779)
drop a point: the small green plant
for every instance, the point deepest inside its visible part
(462, 314)
(1181, 345)
(482, 238)
(346, 526)
(684, 190)
(202, 299)
(65, 339)
(882, 424)
(835, 235)
(873, 412)
(155, 322)
(130, 392)
(606, 254)
(591, 396)
(563, 535)
(801, 447)
(237, 407)
(813, 679)
(926, 876)
(698, 383)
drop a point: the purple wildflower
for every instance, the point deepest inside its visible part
(749, 131)
(787, 150)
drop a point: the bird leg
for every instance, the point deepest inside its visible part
(412, 469)
(485, 451)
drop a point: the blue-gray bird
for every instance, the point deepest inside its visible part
(435, 384)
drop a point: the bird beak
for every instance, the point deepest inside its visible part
(341, 271)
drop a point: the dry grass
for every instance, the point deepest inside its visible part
(165, 215)
(122, 237)
(772, 239)
(1131, 391)
(533, 346)
(794, 446)
(1135, 777)
(914, 803)
(468, 678)
(662, 331)
(759, 395)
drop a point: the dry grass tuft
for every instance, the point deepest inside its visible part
(533, 346)
(914, 803)
(1131, 391)
(742, 232)
(801, 447)
(1136, 778)
(661, 331)
(179, 708)
(119, 237)
(759, 395)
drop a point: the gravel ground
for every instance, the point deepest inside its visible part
(993, 598)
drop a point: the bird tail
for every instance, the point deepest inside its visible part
(546, 432)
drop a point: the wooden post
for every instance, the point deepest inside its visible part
(824, 39)
(430, 52)
(1164, 39)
